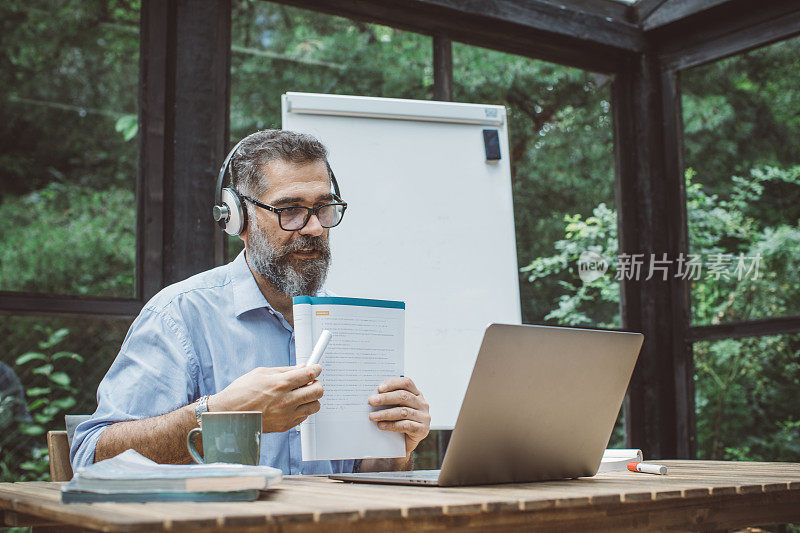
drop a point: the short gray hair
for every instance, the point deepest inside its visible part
(261, 147)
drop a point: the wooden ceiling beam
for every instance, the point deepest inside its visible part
(727, 29)
(542, 29)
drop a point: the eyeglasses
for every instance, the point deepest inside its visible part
(295, 217)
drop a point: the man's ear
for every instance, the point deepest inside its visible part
(246, 231)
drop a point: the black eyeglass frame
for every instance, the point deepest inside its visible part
(309, 211)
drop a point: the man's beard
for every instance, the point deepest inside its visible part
(276, 264)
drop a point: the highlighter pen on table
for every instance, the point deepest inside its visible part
(647, 468)
(319, 348)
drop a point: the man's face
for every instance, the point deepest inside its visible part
(295, 262)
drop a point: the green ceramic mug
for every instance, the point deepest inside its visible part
(228, 437)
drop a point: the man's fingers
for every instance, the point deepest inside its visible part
(398, 413)
(398, 384)
(277, 369)
(299, 376)
(309, 393)
(308, 409)
(400, 398)
(409, 427)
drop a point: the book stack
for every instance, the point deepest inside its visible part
(131, 477)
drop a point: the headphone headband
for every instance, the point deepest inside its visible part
(223, 171)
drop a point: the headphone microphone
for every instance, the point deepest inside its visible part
(229, 210)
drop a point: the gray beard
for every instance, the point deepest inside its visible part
(276, 264)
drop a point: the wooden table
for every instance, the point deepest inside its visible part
(695, 496)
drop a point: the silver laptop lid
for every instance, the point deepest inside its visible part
(541, 404)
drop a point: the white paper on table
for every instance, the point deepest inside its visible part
(616, 460)
(367, 348)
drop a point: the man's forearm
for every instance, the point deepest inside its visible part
(161, 438)
(388, 465)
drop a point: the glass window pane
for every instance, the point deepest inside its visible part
(741, 116)
(748, 398)
(59, 362)
(562, 169)
(68, 97)
(277, 49)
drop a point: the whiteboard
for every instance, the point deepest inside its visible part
(429, 221)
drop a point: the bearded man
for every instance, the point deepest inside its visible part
(223, 340)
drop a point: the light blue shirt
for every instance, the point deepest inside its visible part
(194, 338)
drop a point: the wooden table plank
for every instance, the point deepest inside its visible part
(15, 519)
(694, 495)
(39, 502)
(412, 500)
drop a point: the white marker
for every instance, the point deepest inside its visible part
(647, 468)
(319, 348)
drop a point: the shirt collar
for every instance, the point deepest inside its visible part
(246, 294)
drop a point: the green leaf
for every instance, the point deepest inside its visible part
(62, 404)
(56, 337)
(31, 429)
(61, 378)
(43, 419)
(128, 126)
(30, 356)
(71, 355)
(38, 403)
(43, 370)
(38, 391)
(35, 466)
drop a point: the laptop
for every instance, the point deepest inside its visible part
(540, 405)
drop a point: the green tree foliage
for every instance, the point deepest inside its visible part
(741, 113)
(68, 71)
(51, 393)
(76, 245)
(561, 147)
(747, 390)
(277, 49)
(68, 96)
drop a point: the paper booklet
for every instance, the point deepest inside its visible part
(367, 348)
(617, 460)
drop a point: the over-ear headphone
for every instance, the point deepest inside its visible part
(229, 210)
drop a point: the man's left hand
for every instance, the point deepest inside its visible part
(408, 413)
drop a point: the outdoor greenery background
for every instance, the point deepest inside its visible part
(68, 93)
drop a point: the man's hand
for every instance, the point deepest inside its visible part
(408, 414)
(285, 395)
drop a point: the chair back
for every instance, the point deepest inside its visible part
(58, 448)
(58, 445)
(72, 421)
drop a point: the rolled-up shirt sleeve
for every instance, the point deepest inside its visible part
(155, 372)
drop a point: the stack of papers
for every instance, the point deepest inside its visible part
(131, 477)
(617, 460)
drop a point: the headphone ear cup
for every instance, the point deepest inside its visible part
(237, 217)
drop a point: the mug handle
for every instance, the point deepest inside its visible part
(190, 444)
